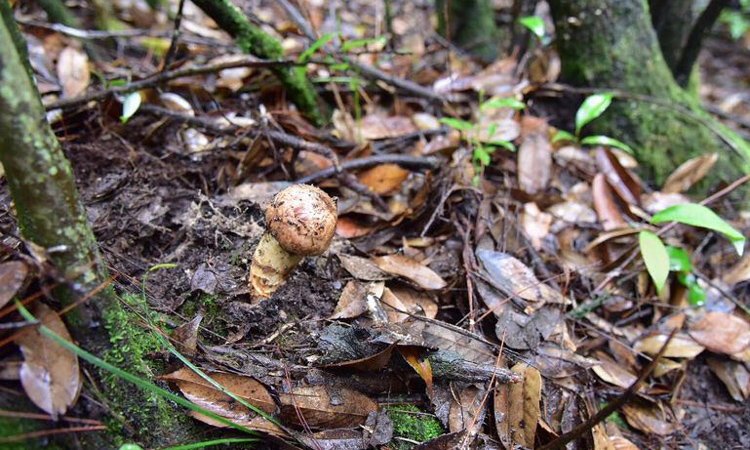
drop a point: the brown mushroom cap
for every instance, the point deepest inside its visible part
(303, 219)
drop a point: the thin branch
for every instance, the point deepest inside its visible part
(175, 37)
(415, 162)
(612, 406)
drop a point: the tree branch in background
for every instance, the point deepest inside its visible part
(695, 40)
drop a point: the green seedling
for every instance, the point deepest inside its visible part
(591, 108)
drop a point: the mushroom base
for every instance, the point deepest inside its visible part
(271, 266)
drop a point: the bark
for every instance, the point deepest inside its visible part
(672, 20)
(470, 24)
(684, 66)
(254, 41)
(610, 44)
(51, 215)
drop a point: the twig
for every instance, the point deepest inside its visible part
(415, 162)
(175, 37)
(87, 34)
(612, 406)
(166, 76)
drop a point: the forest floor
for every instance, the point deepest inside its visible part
(534, 252)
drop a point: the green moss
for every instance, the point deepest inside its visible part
(412, 423)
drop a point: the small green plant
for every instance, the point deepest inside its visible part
(482, 150)
(737, 21)
(660, 260)
(591, 108)
(536, 25)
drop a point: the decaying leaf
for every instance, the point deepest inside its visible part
(689, 173)
(517, 407)
(416, 302)
(50, 373)
(185, 337)
(203, 393)
(352, 302)
(341, 408)
(681, 346)
(384, 178)
(467, 411)
(734, 375)
(362, 268)
(620, 443)
(534, 156)
(73, 71)
(648, 418)
(622, 181)
(344, 439)
(408, 268)
(256, 423)
(612, 372)
(461, 342)
(514, 278)
(12, 276)
(605, 204)
(721, 332)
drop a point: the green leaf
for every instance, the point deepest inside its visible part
(656, 258)
(504, 144)
(361, 43)
(457, 124)
(314, 47)
(703, 217)
(481, 155)
(130, 105)
(339, 67)
(592, 108)
(679, 260)
(608, 141)
(130, 447)
(535, 24)
(509, 102)
(696, 294)
(563, 135)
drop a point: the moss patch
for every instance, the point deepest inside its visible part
(412, 423)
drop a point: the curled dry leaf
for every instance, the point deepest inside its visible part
(681, 346)
(648, 418)
(185, 337)
(50, 373)
(342, 408)
(73, 71)
(721, 332)
(624, 183)
(12, 276)
(422, 366)
(605, 204)
(408, 268)
(689, 173)
(517, 407)
(203, 393)
(734, 375)
(467, 410)
(384, 178)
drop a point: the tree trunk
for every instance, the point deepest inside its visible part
(50, 214)
(672, 20)
(470, 24)
(610, 44)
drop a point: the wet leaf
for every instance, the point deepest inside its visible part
(656, 258)
(605, 205)
(523, 407)
(689, 173)
(73, 71)
(408, 268)
(203, 393)
(612, 372)
(534, 158)
(352, 302)
(50, 373)
(734, 375)
(384, 178)
(647, 418)
(681, 346)
(591, 108)
(701, 216)
(721, 332)
(514, 278)
(467, 411)
(12, 276)
(342, 408)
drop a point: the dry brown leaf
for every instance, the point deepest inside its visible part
(416, 302)
(374, 126)
(689, 173)
(523, 405)
(347, 409)
(601, 440)
(622, 181)
(681, 346)
(734, 375)
(362, 268)
(256, 423)
(721, 332)
(467, 410)
(647, 418)
(612, 372)
(504, 129)
(10, 370)
(12, 276)
(393, 307)
(50, 373)
(535, 223)
(352, 302)
(422, 366)
(405, 267)
(384, 179)
(370, 363)
(605, 204)
(185, 337)
(443, 337)
(739, 272)
(203, 393)
(659, 201)
(73, 71)
(534, 156)
(620, 443)
(514, 278)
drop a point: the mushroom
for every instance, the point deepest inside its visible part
(301, 221)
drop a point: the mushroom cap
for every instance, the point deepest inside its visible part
(302, 218)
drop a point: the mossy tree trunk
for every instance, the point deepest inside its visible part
(610, 44)
(470, 24)
(254, 41)
(51, 215)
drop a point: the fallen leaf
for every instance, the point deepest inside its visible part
(612, 372)
(737, 273)
(467, 410)
(373, 127)
(257, 423)
(352, 302)
(734, 375)
(535, 223)
(50, 373)
(605, 204)
(534, 157)
(721, 332)
(370, 363)
(620, 443)
(624, 183)
(601, 440)
(647, 418)
(203, 392)
(343, 408)
(406, 267)
(681, 346)
(362, 268)
(522, 409)
(467, 345)
(185, 337)
(12, 276)
(384, 179)
(422, 366)
(73, 71)
(514, 278)
(689, 173)
(344, 439)
(393, 307)
(416, 302)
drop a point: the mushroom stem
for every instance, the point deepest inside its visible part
(271, 265)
